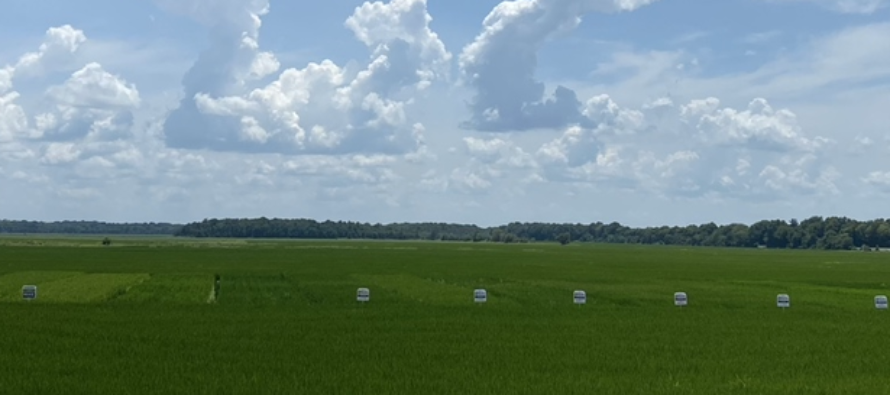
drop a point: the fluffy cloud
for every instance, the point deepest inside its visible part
(63, 135)
(6, 79)
(227, 65)
(498, 151)
(13, 120)
(55, 51)
(58, 45)
(60, 153)
(322, 108)
(758, 126)
(574, 148)
(91, 102)
(704, 149)
(500, 64)
(94, 87)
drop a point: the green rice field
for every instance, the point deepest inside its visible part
(144, 316)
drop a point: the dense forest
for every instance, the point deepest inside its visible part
(88, 227)
(835, 233)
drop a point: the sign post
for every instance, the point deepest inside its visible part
(580, 297)
(783, 301)
(29, 292)
(480, 296)
(363, 295)
(680, 299)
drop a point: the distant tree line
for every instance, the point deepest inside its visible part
(88, 227)
(834, 233)
(831, 233)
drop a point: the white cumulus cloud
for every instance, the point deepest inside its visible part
(92, 86)
(323, 107)
(500, 63)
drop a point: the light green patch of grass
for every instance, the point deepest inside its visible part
(11, 283)
(89, 288)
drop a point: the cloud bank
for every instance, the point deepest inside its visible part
(321, 108)
(375, 138)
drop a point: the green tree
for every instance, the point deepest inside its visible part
(564, 238)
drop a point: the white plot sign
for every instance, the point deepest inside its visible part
(580, 297)
(363, 295)
(881, 302)
(480, 296)
(783, 301)
(680, 299)
(29, 292)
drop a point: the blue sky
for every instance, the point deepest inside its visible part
(646, 112)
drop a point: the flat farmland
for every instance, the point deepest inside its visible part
(144, 316)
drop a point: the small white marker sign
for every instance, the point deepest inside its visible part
(680, 299)
(783, 301)
(881, 302)
(580, 297)
(29, 292)
(363, 295)
(480, 296)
